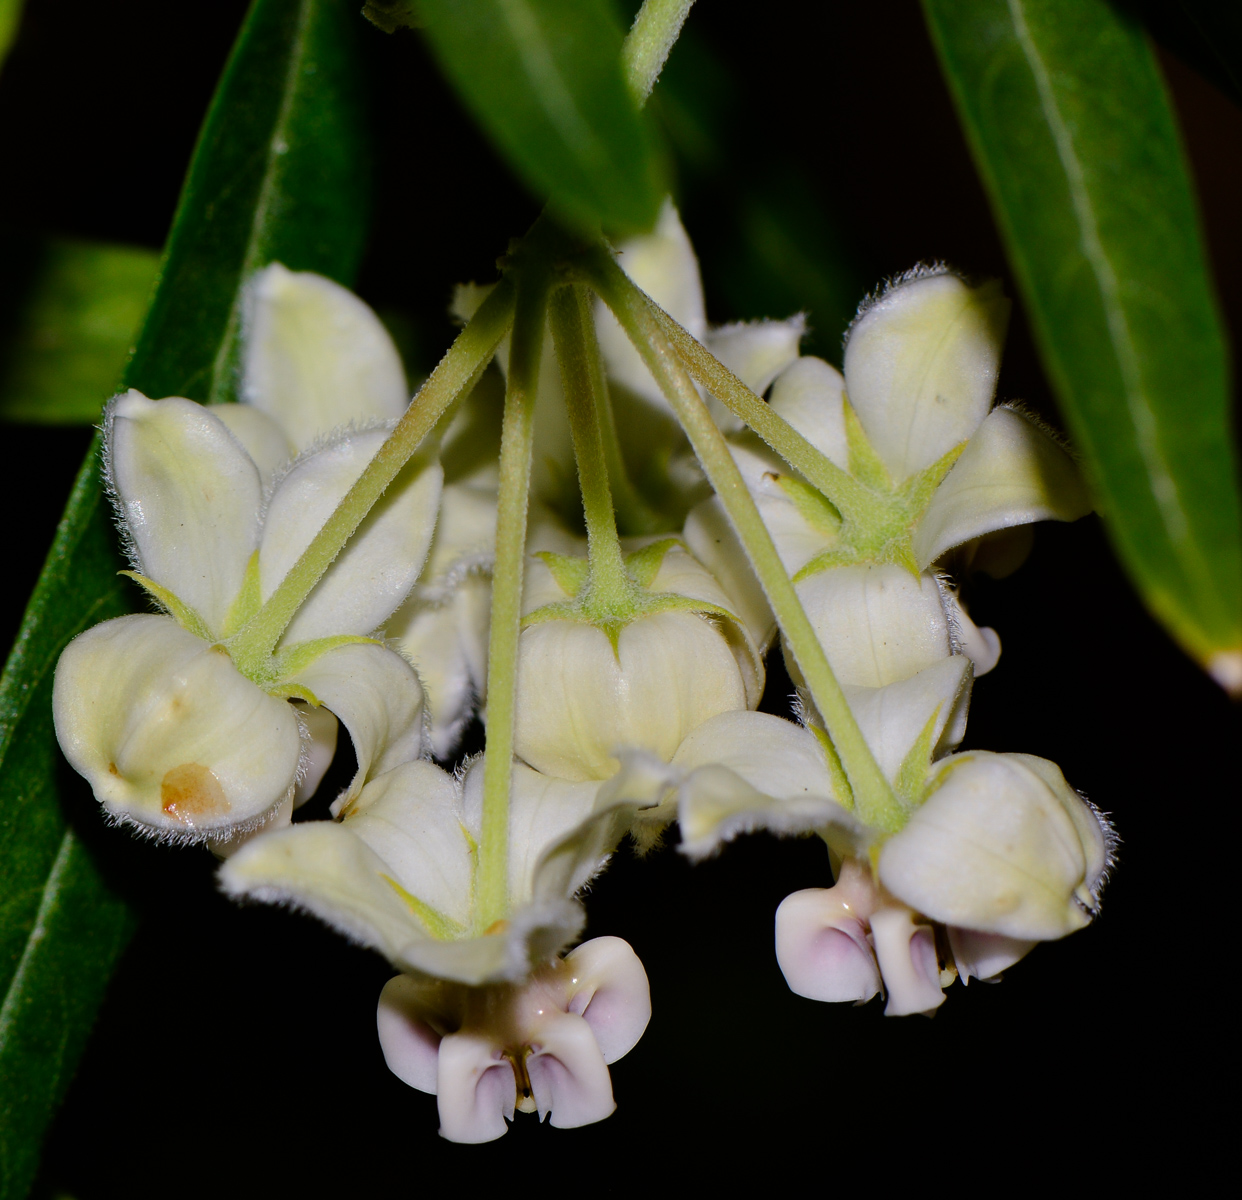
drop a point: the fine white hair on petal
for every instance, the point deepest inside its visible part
(872, 298)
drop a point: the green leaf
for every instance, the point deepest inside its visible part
(76, 331)
(1072, 131)
(10, 19)
(276, 174)
(544, 79)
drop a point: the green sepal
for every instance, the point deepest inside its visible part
(293, 660)
(173, 605)
(569, 571)
(644, 564)
(441, 927)
(865, 464)
(912, 774)
(248, 600)
(813, 506)
(836, 772)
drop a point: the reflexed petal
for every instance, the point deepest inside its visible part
(475, 1088)
(985, 955)
(321, 729)
(714, 543)
(376, 695)
(877, 624)
(809, 395)
(411, 1047)
(1011, 473)
(325, 869)
(169, 734)
(921, 366)
(568, 1075)
(757, 351)
(906, 951)
(259, 436)
(316, 356)
(999, 848)
(189, 497)
(663, 264)
(378, 567)
(608, 988)
(981, 646)
(543, 812)
(746, 771)
(892, 718)
(411, 817)
(579, 702)
(447, 643)
(822, 946)
(682, 574)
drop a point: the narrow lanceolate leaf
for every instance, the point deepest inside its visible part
(275, 175)
(544, 79)
(1073, 134)
(76, 331)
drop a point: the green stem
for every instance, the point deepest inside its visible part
(456, 372)
(516, 438)
(816, 467)
(648, 43)
(573, 330)
(874, 798)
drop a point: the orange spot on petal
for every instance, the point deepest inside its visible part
(191, 792)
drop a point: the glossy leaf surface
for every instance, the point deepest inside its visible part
(543, 78)
(1072, 131)
(277, 174)
(76, 331)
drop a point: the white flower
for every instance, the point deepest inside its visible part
(543, 1045)
(398, 870)
(925, 465)
(152, 709)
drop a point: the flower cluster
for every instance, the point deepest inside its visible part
(319, 556)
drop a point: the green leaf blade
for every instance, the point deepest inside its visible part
(76, 331)
(1072, 132)
(289, 97)
(544, 79)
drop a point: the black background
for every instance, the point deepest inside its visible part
(236, 1052)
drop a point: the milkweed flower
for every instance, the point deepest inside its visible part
(485, 1018)
(215, 505)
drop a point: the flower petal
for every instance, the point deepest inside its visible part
(877, 624)
(259, 436)
(714, 543)
(411, 1046)
(822, 946)
(579, 702)
(376, 695)
(921, 365)
(893, 717)
(1000, 848)
(906, 951)
(985, 955)
(321, 728)
(188, 495)
(316, 356)
(1011, 473)
(608, 988)
(746, 771)
(543, 812)
(809, 394)
(475, 1088)
(411, 817)
(378, 567)
(757, 351)
(568, 1075)
(663, 264)
(171, 737)
(447, 643)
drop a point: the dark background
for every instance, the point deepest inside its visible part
(236, 1052)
